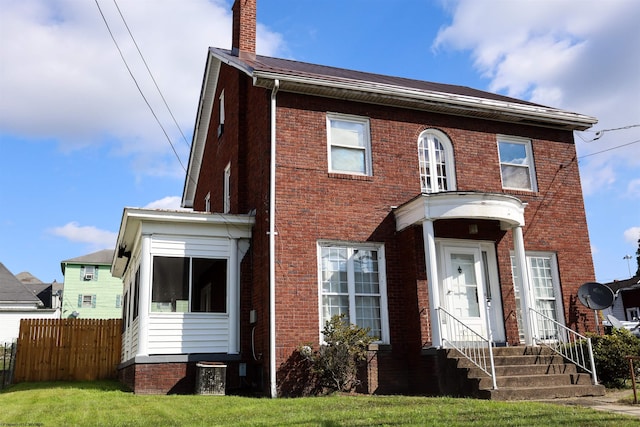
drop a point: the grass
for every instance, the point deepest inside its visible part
(103, 403)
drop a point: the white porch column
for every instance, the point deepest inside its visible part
(234, 300)
(431, 263)
(524, 284)
(144, 298)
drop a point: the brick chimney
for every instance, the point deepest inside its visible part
(244, 27)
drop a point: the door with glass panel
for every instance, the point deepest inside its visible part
(463, 288)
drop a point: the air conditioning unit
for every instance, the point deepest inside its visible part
(88, 276)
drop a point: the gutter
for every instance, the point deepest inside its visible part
(272, 246)
(461, 102)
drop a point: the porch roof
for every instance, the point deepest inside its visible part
(509, 210)
(136, 221)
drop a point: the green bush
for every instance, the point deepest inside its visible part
(609, 352)
(336, 361)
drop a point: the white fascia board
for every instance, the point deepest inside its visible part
(467, 103)
(201, 129)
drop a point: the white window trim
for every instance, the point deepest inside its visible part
(367, 148)
(226, 191)
(449, 161)
(555, 277)
(382, 277)
(531, 166)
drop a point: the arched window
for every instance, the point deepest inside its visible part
(435, 156)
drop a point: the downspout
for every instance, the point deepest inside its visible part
(272, 246)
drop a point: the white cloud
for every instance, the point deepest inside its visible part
(632, 235)
(572, 54)
(67, 82)
(166, 203)
(633, 189)
(95, 237)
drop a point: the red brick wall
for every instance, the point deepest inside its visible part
(313, 204)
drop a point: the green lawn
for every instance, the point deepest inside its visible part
(103, 403)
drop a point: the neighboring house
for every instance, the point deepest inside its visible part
(626, 304)
(18, 302)
(49, 293)
(90, 291)
(321, 191)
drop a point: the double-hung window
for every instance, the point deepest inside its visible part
(185, 284)
(352, 282)
(516, 163)
(349, 144)
(86, 301)
(89, 272)
(435, 159)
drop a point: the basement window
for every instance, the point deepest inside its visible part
(189, 285)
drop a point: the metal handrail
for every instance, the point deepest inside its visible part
(473, 346)
(563, 341)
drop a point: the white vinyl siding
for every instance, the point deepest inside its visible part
(188, 333)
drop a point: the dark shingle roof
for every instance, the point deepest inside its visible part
(102, 257)
(13, 290)
(286, 66)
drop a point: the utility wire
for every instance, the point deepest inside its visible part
(609, 149)
(150, 74)
(138, 86)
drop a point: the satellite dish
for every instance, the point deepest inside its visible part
(595, 296)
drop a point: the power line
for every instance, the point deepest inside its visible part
(138, 86)
(600, 133)
(609, 149)
(150, 74)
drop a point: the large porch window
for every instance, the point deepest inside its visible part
(184, 285)
(352, 282)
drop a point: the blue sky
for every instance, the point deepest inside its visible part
(78, 143)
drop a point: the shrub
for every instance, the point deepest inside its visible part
(336, 361)
(609, 352)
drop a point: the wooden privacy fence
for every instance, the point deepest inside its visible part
(67, 349)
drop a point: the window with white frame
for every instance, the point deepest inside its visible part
(221, 114)
(516, 163)
(86, 301)
(543, 273)
(185, 284)
(88, 272)
(349, 144)
(352, 282)
(226, 191)
(435, 159)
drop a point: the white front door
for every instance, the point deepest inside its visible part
(463, 290)
(469, 278)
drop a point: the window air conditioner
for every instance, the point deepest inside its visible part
(88, 276)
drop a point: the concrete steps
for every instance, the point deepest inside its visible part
(526, 373)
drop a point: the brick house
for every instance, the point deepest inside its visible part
(405, 204)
